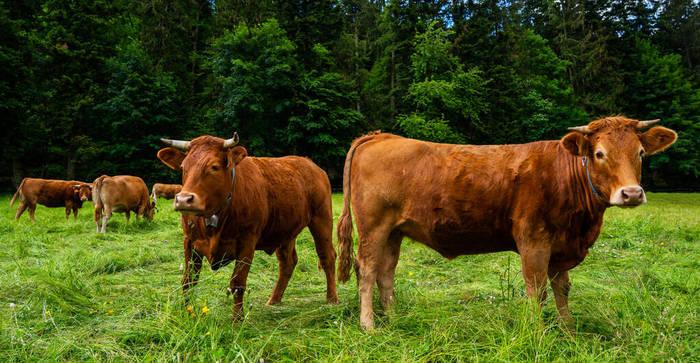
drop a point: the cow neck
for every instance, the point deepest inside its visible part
(213, 221)
(582, 185)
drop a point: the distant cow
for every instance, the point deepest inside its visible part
(121, 193)
(51, 193)
(232, 205)
(544, 200)
(166, 191)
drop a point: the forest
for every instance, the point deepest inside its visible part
(88, 87)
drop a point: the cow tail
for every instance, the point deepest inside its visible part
(96, 188)
(344, 231)
(17, 193)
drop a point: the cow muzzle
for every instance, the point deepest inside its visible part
(188, 203)
(83, 199)
(629, 196)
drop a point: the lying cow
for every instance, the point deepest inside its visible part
(51, 193)
(232, 205)
(166, 191)
(544, 200)
(121, 193)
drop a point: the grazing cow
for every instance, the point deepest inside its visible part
(121, 193)
(166, 191)
(51, 193)
(544, 200)
(232, 205)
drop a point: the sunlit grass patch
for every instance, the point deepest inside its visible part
(73, 294)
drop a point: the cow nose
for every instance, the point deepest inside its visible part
(184, 200)
(83, 199)
(632, 195)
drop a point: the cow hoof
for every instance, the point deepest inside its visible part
(332, 300)
(567, 323)
(273, 302)
(368, 326)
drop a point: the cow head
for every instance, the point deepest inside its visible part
(150, 211)
(82, 192)
(207, 167)
(613, 148)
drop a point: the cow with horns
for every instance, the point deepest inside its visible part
(232, 205)
(544, 200)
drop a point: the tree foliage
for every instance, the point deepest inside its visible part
(88, 87)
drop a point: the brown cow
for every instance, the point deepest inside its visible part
(544, 200)
(121, 193)
(166, 191)
(232, 205)
(51, 193)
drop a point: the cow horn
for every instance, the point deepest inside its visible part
(177, 143)
(231, 142)
(644, 124)
(581, 129)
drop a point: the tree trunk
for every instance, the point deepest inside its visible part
(393, 82)
(357, 64)
(70, 166)
(17, 173)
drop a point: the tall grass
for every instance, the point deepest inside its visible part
(71, 294)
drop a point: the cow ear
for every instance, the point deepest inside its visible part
(172, 157)
(576, 143)
(235, 155)
(657, 139)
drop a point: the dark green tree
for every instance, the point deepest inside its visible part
(658, 87)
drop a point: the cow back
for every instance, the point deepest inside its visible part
(121, 192)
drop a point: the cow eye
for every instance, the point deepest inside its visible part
(214, 167)
(599, 154)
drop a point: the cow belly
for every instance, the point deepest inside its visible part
(454, 240)
(52, 203)
(457, 244)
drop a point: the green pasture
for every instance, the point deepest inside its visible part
(70, 294)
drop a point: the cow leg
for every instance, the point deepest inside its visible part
(75, 213)
(239, 278)
(98, 217)
(192, 269)
(127, 214)
(321, 228)
(287, 257)
(387, 270)
(535, 262)
(68, 209)
(559, 281)
(105, 218)
(20, 209)
(369, 256)
(32, 209)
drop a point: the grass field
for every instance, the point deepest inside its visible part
(71, 294)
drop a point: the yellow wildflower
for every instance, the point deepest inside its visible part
(111, 302)
(194, 316)
(662, 243)
(190, 308)
(205, 310)
(48, 312)
(410, 273)
(207, 334)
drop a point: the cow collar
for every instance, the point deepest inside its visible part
(213, 221)
(584, 161)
